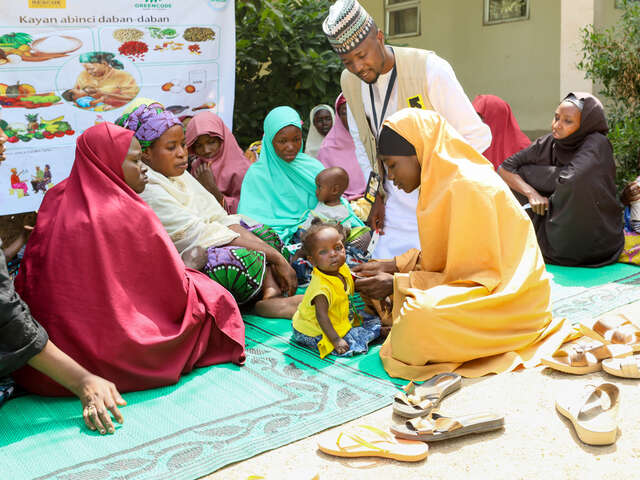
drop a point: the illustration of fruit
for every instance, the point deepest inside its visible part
(46, 134)
(3, 88)
(38, 135)
(24, 138)
(190, 89)
(12, 139)
(167, 86)
(69, 132)
(20, 89)
(59, 134)
(33, 122)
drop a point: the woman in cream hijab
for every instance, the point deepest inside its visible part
(321, 120)
(476, 297)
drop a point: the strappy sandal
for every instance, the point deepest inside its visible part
(627, 367)
(435, 427)
(594, 414)
(584, 355)
(419, 400)
(368, 441)
(616, 330)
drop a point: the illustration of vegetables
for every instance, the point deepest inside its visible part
(14, 41)
(134, 50)
(49, 129)
(160, 33)
(199, 34)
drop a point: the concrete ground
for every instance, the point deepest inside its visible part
(537, 442)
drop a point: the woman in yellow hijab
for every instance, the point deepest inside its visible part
(476, 297)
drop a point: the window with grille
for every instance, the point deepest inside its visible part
(499, 11)
(402, 18)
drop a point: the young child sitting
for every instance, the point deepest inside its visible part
(326, 319)
(332, 206)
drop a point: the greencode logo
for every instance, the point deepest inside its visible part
(153, 4)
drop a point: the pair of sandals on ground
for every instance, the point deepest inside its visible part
(418, 405)
(610, 344)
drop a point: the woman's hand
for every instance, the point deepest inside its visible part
(99, 397)
(378, 287)
(340, 346)
(539, 204)
(370, 269)
(204, 175)
(285, 276)
(377, 215)
(631, 193)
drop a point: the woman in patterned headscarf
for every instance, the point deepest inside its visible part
(105, 80)
(246, 260)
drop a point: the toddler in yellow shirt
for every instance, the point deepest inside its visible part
(325, 319)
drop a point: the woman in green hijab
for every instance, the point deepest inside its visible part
(105, 80)
(280, 188)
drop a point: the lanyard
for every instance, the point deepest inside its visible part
(387, 96)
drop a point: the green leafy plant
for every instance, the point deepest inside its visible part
(612, 59)
(283, 58)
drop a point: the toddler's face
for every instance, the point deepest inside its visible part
(324, 191)
(328, 253)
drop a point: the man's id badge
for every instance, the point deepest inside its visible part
(416, 102)
(372, 187)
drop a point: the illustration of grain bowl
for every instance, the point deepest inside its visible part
(199, 34)
(128, 34)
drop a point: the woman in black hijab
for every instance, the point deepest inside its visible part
(568, 178)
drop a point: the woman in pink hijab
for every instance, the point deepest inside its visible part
(338, 150)
(213, 145)
(506, 136)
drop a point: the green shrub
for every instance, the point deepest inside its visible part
(612, 59)
(283, 58)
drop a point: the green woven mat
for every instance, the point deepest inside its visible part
(223, 414)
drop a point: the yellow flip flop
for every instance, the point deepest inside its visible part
(369, 441)
(594, 413)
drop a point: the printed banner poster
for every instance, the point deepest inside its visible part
(66, 65)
